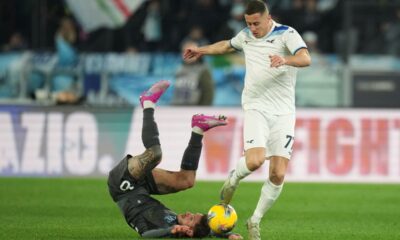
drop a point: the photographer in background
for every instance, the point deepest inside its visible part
(194, 84)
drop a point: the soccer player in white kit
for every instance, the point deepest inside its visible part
(273, 52)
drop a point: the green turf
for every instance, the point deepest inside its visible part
(82, 209)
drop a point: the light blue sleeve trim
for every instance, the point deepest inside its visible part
(294, 53)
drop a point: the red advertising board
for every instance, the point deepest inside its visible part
(331, 145)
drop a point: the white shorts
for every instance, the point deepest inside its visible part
(273, 132)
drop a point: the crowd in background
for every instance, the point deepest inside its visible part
(335, 28)
(163, 25)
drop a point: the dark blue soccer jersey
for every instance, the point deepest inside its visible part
(145, 214)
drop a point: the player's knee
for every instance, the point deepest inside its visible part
(277, 177)
(186, 181)
(254, 162)
(156, 149)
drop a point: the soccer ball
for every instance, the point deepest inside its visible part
(222, 218)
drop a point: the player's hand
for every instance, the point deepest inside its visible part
(277, 61)
(191, 54)
(182, 231)
(235, 236)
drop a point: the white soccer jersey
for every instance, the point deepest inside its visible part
(266, 88)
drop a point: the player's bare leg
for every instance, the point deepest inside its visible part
(139, 165)
(169, 181)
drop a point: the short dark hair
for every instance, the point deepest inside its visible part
(201, 229)
(256, 6)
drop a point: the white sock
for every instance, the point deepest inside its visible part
(241, 171)
(148, 104)
(269, 193)
(198, 130)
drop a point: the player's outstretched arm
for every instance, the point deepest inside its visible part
(191, 54)
(174, 231)
(175, 181)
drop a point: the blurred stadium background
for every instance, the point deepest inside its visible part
(71, 73)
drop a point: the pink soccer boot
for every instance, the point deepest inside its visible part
(205, 122)
(155, 92)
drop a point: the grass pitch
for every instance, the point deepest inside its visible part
(56, 208)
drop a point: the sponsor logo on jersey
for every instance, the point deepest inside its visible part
(170, 218)
(271, 41)
(126, 185)
(250, 141)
